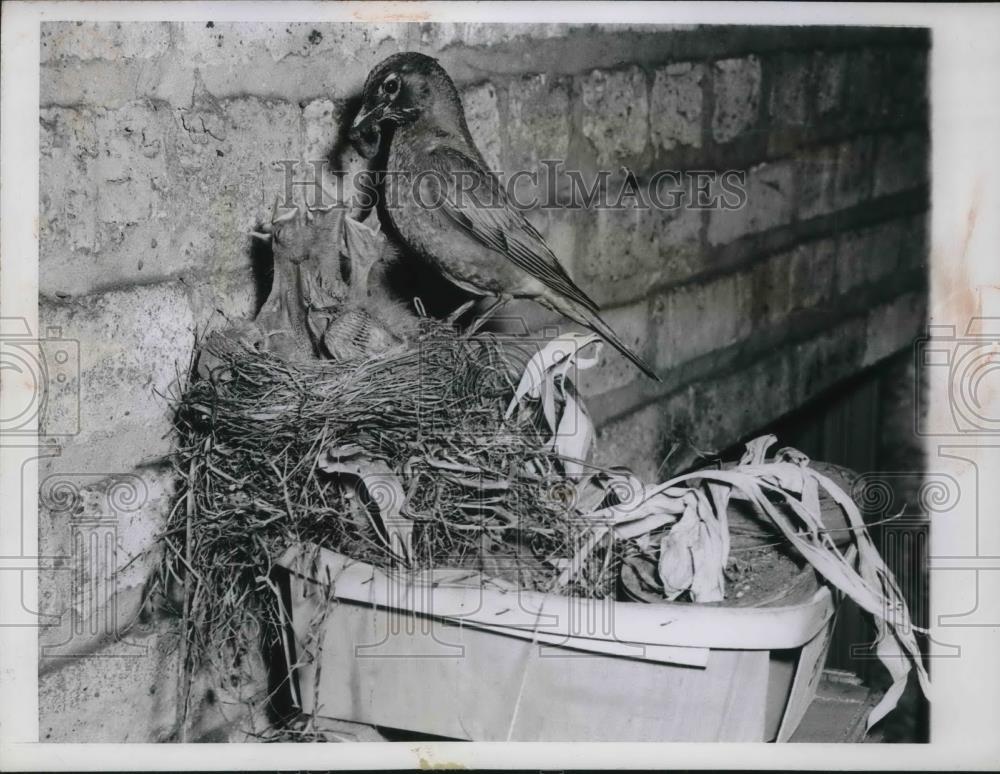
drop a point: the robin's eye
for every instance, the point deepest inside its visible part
(390, 86)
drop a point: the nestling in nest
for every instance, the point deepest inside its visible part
(323, 301)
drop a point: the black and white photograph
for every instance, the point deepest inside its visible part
(398, 375)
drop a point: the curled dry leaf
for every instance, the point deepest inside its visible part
(640, 580)
(383, 486)
(574, 436)
(756, 451)
(552, 360)
(692, 553)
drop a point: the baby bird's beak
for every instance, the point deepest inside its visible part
(365, 132)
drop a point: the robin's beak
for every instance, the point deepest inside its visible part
(365, 132)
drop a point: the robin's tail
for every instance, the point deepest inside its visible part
(593, 321)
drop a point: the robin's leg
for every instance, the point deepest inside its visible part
(460, 311)
(480, 321)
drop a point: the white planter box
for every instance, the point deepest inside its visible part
(431, 654)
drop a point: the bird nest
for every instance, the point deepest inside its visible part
(341, 419)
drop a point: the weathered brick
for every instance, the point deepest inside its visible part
(692, 320)
(770, 203)
(634, 249)
(631, 323)
(339, 161)
(901, 448)
(853, 252)
(737, 95)
(868, 255)
(812, 272)
(102, 526)
(829, 69)
(228, 295)
(320, 121)
(680, 449)
(245, 43)
(310, 39)
(893, 326)
(789, 89)
(863, 90)
(770, 290)
(286, 61)
(887, 241)
(132, 168)
(902, 162)
(914, 250)
(826, 359)
(615, 113)
(675, 106)
(105, 198)
(483, 117)
(853, 183)
(732, 405)
(112, 41)
(770, 380)
(128, 692)
(906, 69)
(636, 441)
(226, 174)
(815, 173)
(440, 36)
(68, 149)
(157, 194)
(132, 345)
(668, 243)
(537, 121)
(789, 80)
(125, 693)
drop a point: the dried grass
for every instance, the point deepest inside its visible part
(479, 490)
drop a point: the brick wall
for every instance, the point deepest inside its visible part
(157, 148)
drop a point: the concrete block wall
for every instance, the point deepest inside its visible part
(158, 149)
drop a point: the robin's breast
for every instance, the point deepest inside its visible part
(413, 204)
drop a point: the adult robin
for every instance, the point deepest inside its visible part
(447, 207)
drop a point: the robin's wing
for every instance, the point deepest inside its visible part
(486, 214)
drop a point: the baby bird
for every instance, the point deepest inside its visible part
(314, 308)
(447, 207)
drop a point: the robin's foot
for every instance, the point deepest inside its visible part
(480, 321)
(459, 312)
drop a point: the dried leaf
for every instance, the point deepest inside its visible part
(588, 494)
(691, 553)
(785, 475)
(574, 436)
(638, 511)
(385, 489)
(756, 451)
(639, 579)
(554, 359)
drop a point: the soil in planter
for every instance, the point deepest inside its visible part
(766, 574)
(761, 572)
(764, 569)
